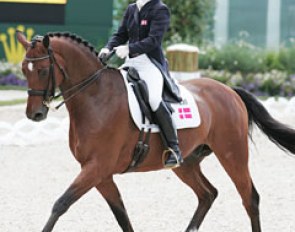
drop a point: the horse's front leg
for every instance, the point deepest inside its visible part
(111, 194)
(87, 179)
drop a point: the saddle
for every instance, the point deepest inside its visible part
(142, 94)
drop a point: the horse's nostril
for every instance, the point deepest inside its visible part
(38, 116)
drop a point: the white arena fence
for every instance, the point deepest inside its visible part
(25, 132)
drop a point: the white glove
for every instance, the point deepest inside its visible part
(122, 51)
(103, 52)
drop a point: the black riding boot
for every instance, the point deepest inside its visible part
(164, 119)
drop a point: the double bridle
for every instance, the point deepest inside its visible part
(50, 94)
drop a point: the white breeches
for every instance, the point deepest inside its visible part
(151, 75)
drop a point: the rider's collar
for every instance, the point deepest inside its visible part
(141, 3)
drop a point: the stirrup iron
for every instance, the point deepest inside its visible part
(165, 156)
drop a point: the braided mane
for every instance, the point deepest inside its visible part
(76, 38)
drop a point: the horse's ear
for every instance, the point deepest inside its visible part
(46, 41)
(22, 39)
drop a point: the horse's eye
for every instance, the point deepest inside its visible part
(43, 73)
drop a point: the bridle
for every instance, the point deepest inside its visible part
(50, 94)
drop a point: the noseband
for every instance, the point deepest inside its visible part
(49, 94)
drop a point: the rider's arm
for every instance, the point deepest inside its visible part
(159, 25)
(121, 36)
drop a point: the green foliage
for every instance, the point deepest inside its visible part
(191, 20)
(12, 102)
(272, 61)
(286, 58)
(263, 72)
(8, 68)
(12, 87)
(119, 8)
(244, 57)
(273, 83)
(235, 57)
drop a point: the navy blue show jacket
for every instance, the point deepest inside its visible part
(144, 30)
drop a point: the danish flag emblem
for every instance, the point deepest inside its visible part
(144, 22)
(185, 113)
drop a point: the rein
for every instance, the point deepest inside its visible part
(78, 88)
(48, 95)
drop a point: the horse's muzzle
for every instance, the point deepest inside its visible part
(38, 115)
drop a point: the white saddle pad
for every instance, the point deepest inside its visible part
(185, 115)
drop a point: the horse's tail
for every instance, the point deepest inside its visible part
(280, 134)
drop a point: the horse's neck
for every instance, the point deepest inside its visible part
(80, 63)
(100, 101)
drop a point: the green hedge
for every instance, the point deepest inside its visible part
(246, 58)
(261, 71)
(273, 83)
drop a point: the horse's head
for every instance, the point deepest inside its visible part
(43, 74)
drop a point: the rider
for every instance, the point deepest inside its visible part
(143, 27)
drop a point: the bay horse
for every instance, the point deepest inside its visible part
(102, 135)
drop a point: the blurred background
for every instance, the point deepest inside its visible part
(240, 43)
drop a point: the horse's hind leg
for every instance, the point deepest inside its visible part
(110, 192)
(84, 182)
(234, 159)
(190, 173)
